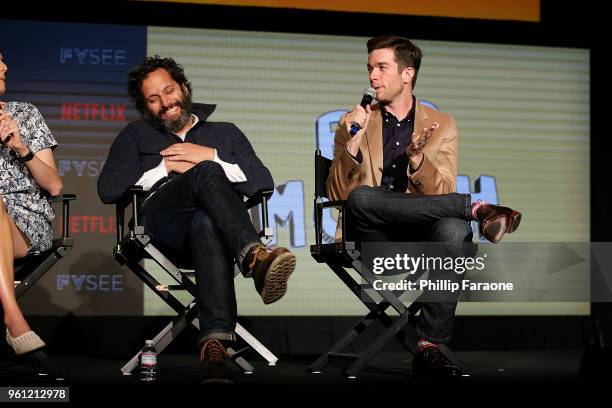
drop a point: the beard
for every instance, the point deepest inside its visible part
(172, 126)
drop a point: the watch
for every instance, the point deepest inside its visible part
(27, 157)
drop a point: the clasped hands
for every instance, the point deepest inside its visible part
(10, 134)
(181, 157)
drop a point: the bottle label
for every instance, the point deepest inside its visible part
(148, 359)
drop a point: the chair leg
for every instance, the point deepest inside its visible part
(177, 325)
(344, 341)
(47, 365)
(256, 345)
(143, 245)
(452, 357)
(240, 361)
(165, 336)
(39, 270)
(39, 358)
(399, 328)
(376, 346)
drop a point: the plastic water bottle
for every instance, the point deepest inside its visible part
(148, 362)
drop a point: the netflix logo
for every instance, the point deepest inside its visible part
(90, 224)
(93, 111)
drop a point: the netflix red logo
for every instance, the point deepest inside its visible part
(93, 111)
(90, 224)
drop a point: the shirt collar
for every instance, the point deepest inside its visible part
(195, 122)
(393, 119)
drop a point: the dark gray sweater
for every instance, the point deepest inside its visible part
(136, 150)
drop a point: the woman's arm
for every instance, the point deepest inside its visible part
(41, 166)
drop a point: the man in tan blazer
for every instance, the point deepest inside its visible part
(396, 165)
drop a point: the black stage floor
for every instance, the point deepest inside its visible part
(390, 373)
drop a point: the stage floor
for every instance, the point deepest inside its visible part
(178, 375)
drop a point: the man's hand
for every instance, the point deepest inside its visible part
(175, 166)
(10, 135)
(188, 152)
(360, 116)
(415, 148)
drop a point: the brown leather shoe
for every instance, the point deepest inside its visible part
(270, 270)
(430, 363)
(213, 369)
(495, 221)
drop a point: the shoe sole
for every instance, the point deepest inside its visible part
(516, 220)
(275, 283)
(495, 230)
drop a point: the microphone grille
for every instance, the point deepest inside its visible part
(370, 92)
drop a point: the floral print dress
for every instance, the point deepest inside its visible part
(24, 200)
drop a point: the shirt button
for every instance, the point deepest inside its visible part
(397, 143)
(391, 186)
(386, 120)
(393, 165)
(398, 124)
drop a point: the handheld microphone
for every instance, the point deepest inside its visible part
(368, 96)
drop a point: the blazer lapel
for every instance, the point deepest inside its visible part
(421, 120)
(373, 144)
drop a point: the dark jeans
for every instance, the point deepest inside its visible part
(197, 219)
(377, 215)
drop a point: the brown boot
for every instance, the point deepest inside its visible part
(270, 270)
(213, 369)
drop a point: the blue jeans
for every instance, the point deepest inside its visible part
(377, 215)
(197, 220)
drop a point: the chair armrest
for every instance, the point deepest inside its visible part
(62, 197)
(65, 200)
(129, 197)
(259, 197)
(318, 209)
(329, 204)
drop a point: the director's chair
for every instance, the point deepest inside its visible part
(135, 246)
(343, 256)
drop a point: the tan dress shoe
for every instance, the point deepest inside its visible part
(27, 342)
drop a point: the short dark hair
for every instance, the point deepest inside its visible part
(405, 52)
(138, 74)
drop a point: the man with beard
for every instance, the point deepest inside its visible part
(195, 173)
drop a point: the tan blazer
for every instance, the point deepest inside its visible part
(437, 175)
